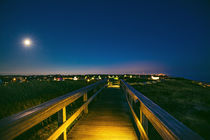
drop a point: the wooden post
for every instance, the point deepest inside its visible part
(145, 123)
(85, 99)
(61, 120)
(140, 117)
(143, 120)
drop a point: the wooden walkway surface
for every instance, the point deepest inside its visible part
(108, 119)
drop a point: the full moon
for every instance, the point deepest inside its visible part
(27, 42)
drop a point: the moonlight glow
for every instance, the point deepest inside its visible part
(27, 42)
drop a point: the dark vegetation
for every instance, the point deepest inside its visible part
(46, 128)
(186, 100)
(16, 97)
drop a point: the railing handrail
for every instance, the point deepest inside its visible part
(16, 124)
(166, 125)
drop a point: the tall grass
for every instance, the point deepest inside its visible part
(16, 97)
(186, 100)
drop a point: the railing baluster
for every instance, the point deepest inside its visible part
(141, 116)
(165, 124)
(85, 99)
(16, 124)
(61, 120)
(143, 119)
(145, 123)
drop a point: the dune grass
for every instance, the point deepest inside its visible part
(186, 100)
(16, 97)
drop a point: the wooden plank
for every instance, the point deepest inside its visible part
(143, 119)
(138, 122)
(166, 125)
(103, 122)
(14, 125)
(109, 136)
(64, 126)
(145, 123)
(85, 97)
(61, 120)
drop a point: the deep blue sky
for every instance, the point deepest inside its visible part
(106, 36)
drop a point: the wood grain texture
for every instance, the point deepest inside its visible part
(61, 120)
(138, 122)
(14, 125)
(64, 126)
(108, 119)
(166, 125)
(85, 99)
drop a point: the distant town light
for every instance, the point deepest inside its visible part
(75, 78)
(161, 74)
(14, 79)
(155, 78)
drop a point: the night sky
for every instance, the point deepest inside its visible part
(106, 36)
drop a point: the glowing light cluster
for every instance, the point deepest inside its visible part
(155, 78)
(75, 78)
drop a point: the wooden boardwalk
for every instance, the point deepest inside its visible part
(108, 119)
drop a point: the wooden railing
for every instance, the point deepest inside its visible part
(15, 125)
(167, 126)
